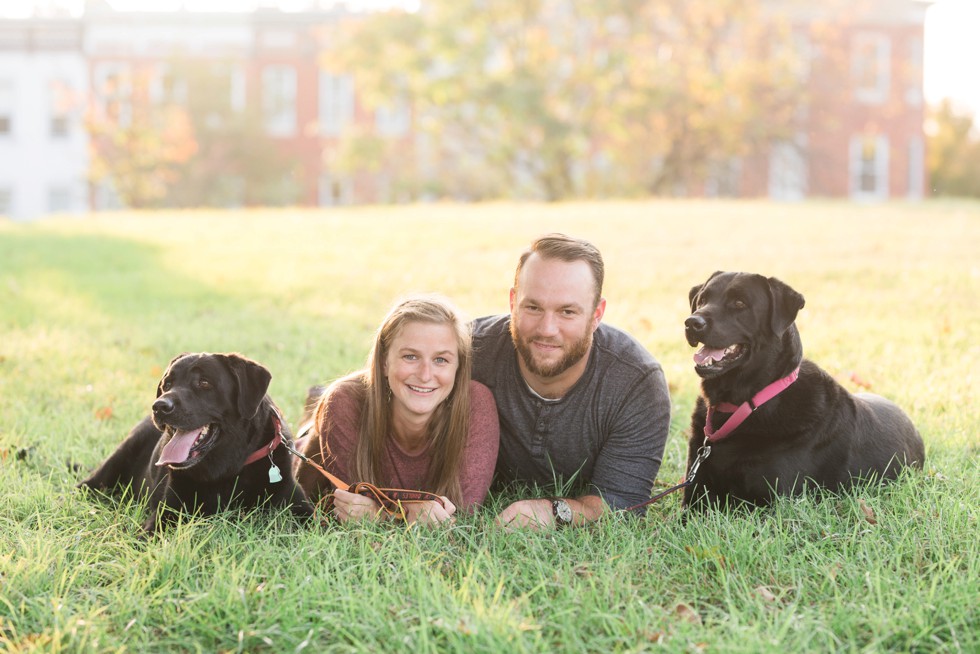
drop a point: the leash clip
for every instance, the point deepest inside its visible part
(703, 453)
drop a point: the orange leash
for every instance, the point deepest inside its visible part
(392, 500)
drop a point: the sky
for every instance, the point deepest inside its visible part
(952, 38)
(952, 53)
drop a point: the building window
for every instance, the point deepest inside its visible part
(334, 191)
(6, 107)
(167, 88)
(236, 80)
(59, 199)
(60, 127)
(392, 120)
(60, 100)
(279, 100)
(788, 170)
(336, 99)
(913, 90)
(723, 178)
(113, 92)
(869, 167)
(917, 161)
(870, 65)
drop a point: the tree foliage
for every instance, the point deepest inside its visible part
(555, 99)
(190, 146)
(141, 157)
(953, 148)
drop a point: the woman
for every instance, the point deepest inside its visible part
(412, 419)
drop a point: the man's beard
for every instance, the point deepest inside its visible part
(573, 354)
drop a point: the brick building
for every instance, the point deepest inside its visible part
(859, 131)
(861, 135)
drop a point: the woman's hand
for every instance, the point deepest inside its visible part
(430, 512)
(351, 506)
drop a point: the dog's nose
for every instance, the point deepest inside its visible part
(696, 324)
(163, 406)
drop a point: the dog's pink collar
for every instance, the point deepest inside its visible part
(744, 410)
(267, 450)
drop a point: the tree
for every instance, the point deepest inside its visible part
(237, 162)
(139, 152)
(186, 144)
(953, 145)
(555, 99)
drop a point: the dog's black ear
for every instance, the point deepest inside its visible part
(167, 371)
(786, 303)
(693, 294)
(253, 381)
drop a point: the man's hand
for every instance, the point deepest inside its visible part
(533, 514)
(537, 514)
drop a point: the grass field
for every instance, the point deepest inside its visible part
(92, 309)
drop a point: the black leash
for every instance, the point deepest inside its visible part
(703, 453)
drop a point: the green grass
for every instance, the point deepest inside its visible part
(91, 311)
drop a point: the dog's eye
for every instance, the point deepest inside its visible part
(738, 304)
(166, 385)
(203, 384)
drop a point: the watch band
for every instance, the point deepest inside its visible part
(562, 512)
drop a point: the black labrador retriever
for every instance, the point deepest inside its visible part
(776, 423)
(214, 440)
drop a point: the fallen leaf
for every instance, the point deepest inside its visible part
(858, 380)
(103, 413)
(765, 593)
(582, 570)
(869, 513)
(686, 613)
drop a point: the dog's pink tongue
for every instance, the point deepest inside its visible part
(179, 448)
(702, 355)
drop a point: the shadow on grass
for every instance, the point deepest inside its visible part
(110, 280)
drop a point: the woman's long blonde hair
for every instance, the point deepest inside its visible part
(449, 425)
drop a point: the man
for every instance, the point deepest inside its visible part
(578, 400)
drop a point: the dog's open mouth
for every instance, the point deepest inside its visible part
(717, 359)
(186, 448)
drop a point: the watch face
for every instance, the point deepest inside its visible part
(563, 512)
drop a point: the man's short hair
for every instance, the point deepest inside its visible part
(568, 249)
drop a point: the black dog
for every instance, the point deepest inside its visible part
(214, 440)
(789, 424)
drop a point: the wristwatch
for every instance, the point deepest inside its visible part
(562, 512)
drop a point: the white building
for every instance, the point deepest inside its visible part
(43, 142)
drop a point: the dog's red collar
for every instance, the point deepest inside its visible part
(268, 449)
(744, 410)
